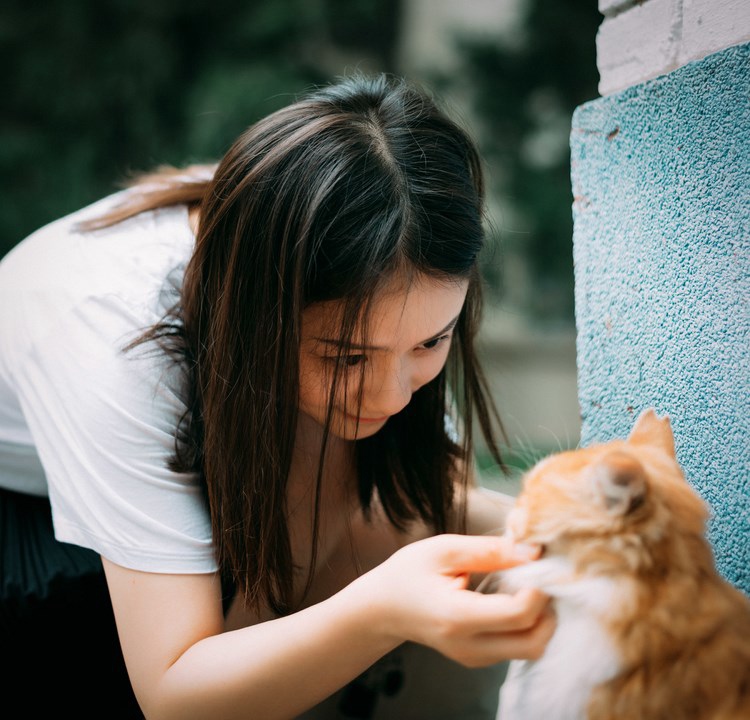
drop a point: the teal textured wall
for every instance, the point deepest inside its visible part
(661, 210)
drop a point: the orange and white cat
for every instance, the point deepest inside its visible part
(647, 628)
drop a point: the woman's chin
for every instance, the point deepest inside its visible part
(353, 429)
(345, 426)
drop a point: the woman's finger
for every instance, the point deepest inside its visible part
(490, 648)
(482, 553)
(500, 612)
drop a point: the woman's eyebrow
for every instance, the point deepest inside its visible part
(355, 346)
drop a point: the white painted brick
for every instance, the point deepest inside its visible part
(638, 44)
(610, 7)
(712, 25)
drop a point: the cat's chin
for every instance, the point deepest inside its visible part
(542, 574)
(547, 572)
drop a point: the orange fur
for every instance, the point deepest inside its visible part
(623, 510)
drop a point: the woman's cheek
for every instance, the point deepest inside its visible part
(430, 367)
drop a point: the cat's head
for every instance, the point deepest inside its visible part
(611, 502)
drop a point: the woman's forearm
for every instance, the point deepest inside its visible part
(183, 666)
(279, 668)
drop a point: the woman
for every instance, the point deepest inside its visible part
(236, 385)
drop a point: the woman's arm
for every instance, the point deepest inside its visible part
(183, 665)
(487, 510)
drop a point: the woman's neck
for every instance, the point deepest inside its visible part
(308, 445)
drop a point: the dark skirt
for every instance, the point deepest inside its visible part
(59, 648)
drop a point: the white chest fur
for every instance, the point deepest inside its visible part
(579, 656)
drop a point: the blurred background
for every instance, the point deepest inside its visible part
(96, 91)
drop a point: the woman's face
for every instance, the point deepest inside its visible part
(410, 329)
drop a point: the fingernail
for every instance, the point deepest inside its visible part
(526, 552)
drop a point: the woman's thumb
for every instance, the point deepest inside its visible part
(483, 553)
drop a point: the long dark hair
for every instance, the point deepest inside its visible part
(325, 199)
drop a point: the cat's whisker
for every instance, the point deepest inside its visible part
(555, 438)
(493, 533)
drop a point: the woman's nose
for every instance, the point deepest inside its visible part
(390, 392)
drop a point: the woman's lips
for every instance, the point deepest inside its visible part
(367, 420)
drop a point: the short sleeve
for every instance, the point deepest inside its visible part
(450, 429)
(103, 421)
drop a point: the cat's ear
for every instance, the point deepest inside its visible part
(650, 429)
(619, 480)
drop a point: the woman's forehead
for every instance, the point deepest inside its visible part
(419, 309)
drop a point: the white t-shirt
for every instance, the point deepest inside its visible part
(83, 421)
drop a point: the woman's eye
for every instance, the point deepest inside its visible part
(435, 342)
(346, 361)
(352, 360)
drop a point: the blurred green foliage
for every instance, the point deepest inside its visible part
(96, 90)
(524, 92)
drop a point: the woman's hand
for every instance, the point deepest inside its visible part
(183, 666)
(421, 594)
